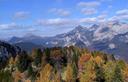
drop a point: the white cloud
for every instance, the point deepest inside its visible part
(89, 4)
(32, 29)
(102, 16)
(7, 26)
(17, 27)
(21, 15)
(55, 22)
(92, 20)
(89, 11)
(101, 19)
(89, 8)
(88, 20)
(122, 12)
(120, 15)
(60, 12)
(62, 22)
(118, 18)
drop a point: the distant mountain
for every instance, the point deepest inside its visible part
(28, 46)
(14, 39)
(109, 37)
(27, 38)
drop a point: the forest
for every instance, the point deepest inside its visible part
(64, 64)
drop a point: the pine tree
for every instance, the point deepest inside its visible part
(75, 71)
(75, 56)
(117, 75)
(23, 61)
(99, 73)
(5, 76)
(47, 52)
(37, 57)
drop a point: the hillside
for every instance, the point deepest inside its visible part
(68, 64)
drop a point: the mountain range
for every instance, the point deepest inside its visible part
(107, 37)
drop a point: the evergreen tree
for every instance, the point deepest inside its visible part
(47, 52)
(37, 57)
(99, 74)
(121, 64)
(5, 76)
(23, 61)
(112, 57)
(75, 56)
(75, 71)
(117, 75)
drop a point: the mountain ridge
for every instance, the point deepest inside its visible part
(105, 37)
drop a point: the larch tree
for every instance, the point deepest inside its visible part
(45, 74)
(88, 72)
(69, 73)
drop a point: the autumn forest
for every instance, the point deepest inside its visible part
(68, 64)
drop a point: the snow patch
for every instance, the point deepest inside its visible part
(112, 46)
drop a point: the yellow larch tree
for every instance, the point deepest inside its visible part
(45, 74)
(88, 72)
(69, 73)
(125, 73)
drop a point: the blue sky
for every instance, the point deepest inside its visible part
(51, 17)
